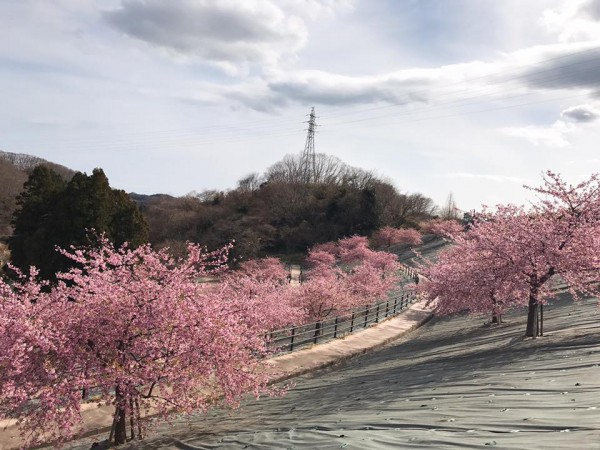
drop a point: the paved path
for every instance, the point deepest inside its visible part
(295, 274)
(322, 355)
(98, 420)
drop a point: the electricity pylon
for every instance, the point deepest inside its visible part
(309, 160)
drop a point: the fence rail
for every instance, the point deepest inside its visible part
(294, 338)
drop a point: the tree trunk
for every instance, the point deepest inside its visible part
(496, 316)
(121, 422)
(532, 316)
(138, 418)
(131, 419)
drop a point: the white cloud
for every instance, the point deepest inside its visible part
(555, 135)
(233, 35)
(573, 66)
(573, 120)
(581, 113)
(334, 89)
(575, 20)
(263, 38)
(562, 66)
(229, 33)
(314, 9)
(154, 92)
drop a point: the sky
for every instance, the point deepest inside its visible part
(470, 97)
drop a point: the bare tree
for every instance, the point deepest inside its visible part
(328, 169)
(398, 209)
(250, 182)
(449, 211)
(288, 170)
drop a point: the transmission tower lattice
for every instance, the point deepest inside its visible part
(309, 160)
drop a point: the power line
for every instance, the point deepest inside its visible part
(232, 137)
(498, 108)
(224, 134)
(482, 77)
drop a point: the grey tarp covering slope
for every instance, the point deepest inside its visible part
(454, 383)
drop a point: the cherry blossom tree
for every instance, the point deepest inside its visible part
(447, 229)
(324, 292)
(263, 269)
(329, 247)
(30, 353)
(353, 250)
(465, 277)
(388, 236)
(262, 287)
(525, 250)
(317, 258)
(368, 284)
(133, 326)
(344, 275)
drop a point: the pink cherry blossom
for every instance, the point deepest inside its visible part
(134, 328)
(514, 255)
(447, 229)
(388, 236)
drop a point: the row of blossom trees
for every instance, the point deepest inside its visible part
(343, 275)
(513, 256)
(135, 328)
(132, 326)
(388, 236)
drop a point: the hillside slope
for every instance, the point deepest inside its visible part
(453, 383)
(14, 170)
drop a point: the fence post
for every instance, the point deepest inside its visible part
(335, 327)
(366, 316)
(317, 331)
(292, 339)
(377, 314)
(395, 304)
(352, 322)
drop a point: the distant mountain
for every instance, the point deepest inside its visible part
(143, 199)
(26, 163)
(14, 171)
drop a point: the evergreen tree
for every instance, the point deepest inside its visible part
(31, 221)
(127, 224)
(53, 213)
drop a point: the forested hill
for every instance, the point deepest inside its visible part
(284, 212)
(278, 212)
(14, 170)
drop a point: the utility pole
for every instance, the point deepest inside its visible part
(309, 160)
